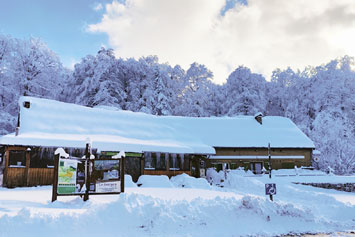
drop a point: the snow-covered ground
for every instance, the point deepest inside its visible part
(188, 208)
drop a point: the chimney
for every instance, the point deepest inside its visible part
(259, 117)
(18, 124)
(27, 105)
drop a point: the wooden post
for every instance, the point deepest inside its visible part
(7, 154)
(87, 177)
(27, 169)
(198, 167)
(122, 173)
(269, 154)
(55, 178)
(142, 164)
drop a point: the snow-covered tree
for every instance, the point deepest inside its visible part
(195, 96)
(96, 81)
(27, 67)
(245, 93)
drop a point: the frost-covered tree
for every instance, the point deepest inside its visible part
(96, 81)
(196, 93)
(321, 101)
(245, 93)
(27, 67)
(335, 141)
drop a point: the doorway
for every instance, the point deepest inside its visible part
(257, 167)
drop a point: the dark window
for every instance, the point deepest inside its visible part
(266, 165)
(175, 161)
(17, 158)
(288, 165)
(149, 161)
(234, 166)
(160, 160)
(41, 157)
(246, 166)
(185, 160)
(2, 155)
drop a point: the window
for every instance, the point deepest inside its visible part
(174, 161)
(161, 159)
(288, 165)
(42, 157)
(246, 166)
(17, 159)
(149, 161)
(185, 162)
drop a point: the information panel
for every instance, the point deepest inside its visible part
(67, 171)
(84, 177)
(105, 176)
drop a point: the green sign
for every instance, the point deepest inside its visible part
(133, 154)
(67, 176)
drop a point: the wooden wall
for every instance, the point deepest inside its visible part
(276, 163)
(25, 176)
(15, 177)
(40, 176)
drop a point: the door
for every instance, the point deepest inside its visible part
(257, 167)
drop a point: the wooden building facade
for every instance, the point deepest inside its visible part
(257, 159)
(154, 145)
(18, 170)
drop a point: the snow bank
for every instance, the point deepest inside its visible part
(156, 181)
(214, 177)
(239, 209)
(137, 215)
(186, 181)
(128, 182)
(298, 171)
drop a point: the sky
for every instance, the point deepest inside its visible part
(222, 34)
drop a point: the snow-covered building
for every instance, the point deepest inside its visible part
(166, 145)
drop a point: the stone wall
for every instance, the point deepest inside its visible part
(347, 187)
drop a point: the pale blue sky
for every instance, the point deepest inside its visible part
(60, 24)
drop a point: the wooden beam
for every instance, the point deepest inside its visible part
(55, 178)
(27, 169)
(122, 173)
(7, 154)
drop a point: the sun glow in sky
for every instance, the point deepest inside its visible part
(222, 34)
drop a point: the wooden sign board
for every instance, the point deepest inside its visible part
(75, 176)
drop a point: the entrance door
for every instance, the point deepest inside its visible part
(257, 167)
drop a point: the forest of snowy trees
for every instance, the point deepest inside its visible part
(320, 100)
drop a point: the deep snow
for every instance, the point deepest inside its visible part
(239, 208)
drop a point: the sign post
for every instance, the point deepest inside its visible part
(270, 189)
(87, 172)
(55, 178)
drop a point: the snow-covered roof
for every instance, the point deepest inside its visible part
(54, 123)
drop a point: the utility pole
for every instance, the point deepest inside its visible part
(270, 168)
(87, 172)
